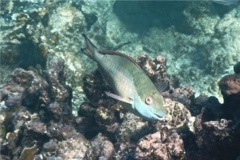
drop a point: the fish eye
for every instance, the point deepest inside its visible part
(148, 100)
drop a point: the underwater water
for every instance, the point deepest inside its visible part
(53, 101)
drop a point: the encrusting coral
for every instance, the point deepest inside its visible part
(28, 153)
(38, 109)
(161, 145)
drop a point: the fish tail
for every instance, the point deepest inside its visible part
(90, 49)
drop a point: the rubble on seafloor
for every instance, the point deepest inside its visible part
(37, 122)
(196, 36)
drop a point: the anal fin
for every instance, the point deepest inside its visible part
(119, 98)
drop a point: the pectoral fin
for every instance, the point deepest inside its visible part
(119, 98)
(162, 85)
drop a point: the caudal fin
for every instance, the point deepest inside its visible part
(90, 48)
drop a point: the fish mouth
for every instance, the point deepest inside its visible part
(160, 118)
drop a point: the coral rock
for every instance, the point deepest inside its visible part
(236, 68)
(132, 129)
(101, 148)
(177, 115)
(217, 139)
(28, 153)
(160, 145)
(73, 148)
(155, 69)
(230, 88)
(106, 120)
(230, 84)
(183, 95)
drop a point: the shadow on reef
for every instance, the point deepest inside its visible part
(221, 10)
(139, 16)
(30, 55)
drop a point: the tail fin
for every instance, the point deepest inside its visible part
(90, 48)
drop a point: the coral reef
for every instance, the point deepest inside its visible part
(36, 115)
(221, 135)
(38, 110)
(189, 125)
(194, 37)
(177, 115)
(156, 68)
(32, 31)
(230, 88)
(101, 148)
(161, 145)
(132, 129)
(53, 107)
(219, 123)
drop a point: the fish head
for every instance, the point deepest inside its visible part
(151, 106)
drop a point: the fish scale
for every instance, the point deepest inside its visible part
(118, 76)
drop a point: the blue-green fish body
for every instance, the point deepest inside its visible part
(131, 85)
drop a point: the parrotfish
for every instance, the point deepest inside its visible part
(131, 86)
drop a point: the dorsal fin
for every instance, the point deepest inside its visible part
(90, 48)
(119, 54)
(89, 43)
